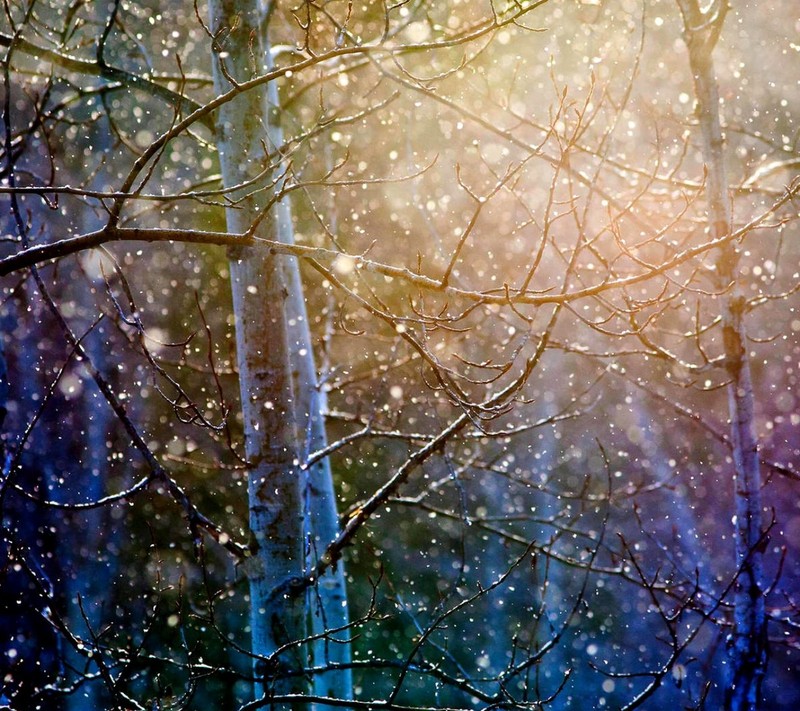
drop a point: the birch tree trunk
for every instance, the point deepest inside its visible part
(328, 603)
(748, 646)
(277, 605)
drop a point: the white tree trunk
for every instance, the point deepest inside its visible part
(328, 603)
(748, 647)
(328, 598)
(277, 605)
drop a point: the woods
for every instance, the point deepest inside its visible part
(404, 356)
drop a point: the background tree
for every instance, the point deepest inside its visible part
(749, 644)
(499, 284)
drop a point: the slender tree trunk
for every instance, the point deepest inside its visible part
(259, 293)
(328, 603)
(748, 647)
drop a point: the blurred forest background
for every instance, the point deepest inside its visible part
(527, 317)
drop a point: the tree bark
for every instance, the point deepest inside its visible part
(328, 603)
(277, 604)
(328, 598)
(748, 644)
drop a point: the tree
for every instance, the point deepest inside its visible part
(749, 646)
(471, 289)
(263, 312)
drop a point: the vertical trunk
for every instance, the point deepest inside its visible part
(748, 649)
(328, 604)
(276, 515)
